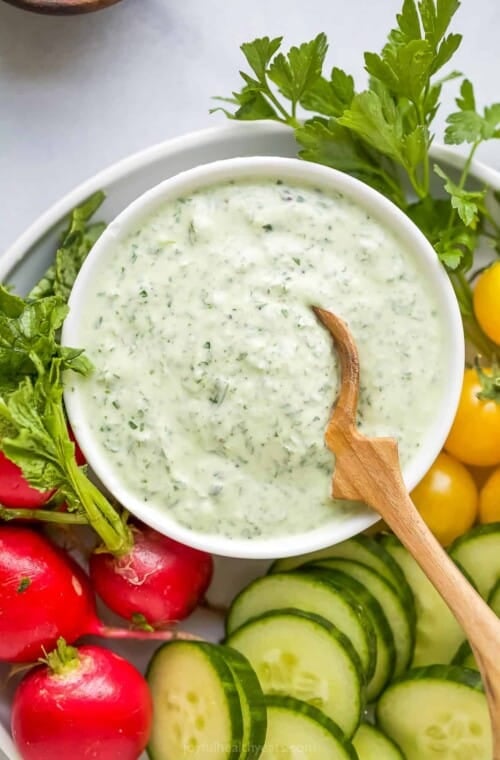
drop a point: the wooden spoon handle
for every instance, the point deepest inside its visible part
(380, 485)
(481, 625)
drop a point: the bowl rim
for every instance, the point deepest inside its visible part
(383, 210)
(61, 7)
(119, 170)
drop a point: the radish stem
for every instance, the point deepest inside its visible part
(44, 515)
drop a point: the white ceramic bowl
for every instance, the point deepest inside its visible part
(378, 207)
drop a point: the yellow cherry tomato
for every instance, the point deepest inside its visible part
(487, 301)
(447, 499)
(475, 434)
(489, 499)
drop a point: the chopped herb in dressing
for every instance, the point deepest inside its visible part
(213, 380)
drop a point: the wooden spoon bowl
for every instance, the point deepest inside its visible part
(62, 7)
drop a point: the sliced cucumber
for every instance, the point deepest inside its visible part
(465, 657)
(438, 634)
(298, 730)
(301, 655)
(437, 713)
(309, 593)
(372, 744)
(494, 598)
(196, 706)
(386, 651)
(361, 549)
(478, 553)
(400, 618)
(252, 700)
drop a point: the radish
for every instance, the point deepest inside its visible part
(157, 582)
(84, 703)
(45, 596)
(15, 491)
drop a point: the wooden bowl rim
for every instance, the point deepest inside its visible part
(61, 7)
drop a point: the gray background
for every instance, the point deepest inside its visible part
(78, 93)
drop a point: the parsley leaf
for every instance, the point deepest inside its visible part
(468, 203)
(33, 428)
(297, 72)
(330, 97)
(377, 121)
(467, 125)
(259, 54)
(467, 100)
(404, 69)
(326, 142)
(383, 135)
(75, 245)
(28, 331)
(40, 445)
(455, 247)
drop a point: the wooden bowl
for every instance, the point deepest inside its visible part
(61, 7)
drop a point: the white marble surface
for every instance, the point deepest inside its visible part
(78, 93)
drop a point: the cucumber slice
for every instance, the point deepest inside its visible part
(252, 701)
(478, 553)
(301, 655)
(386, 651)
(437, 713)
(494, 598)
(361, 549)
(372, 744)
(309, 593)
(438, 634)
(400, 618)
(297, 730)
(465, 658)
(196, 707)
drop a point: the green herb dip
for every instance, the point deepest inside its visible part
(214, 381)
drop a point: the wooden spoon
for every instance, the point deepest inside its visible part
(368, 470)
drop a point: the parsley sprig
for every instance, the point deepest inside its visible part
(383, 134)
(33, 427)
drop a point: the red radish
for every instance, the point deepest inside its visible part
(14, 489)
(45, 595)
(85, 704)
(158, 581)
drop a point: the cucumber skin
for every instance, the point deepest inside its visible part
(254, 698)
(223, 670)
(452, 673)
(357, 589)
(297, 705)
(334, 632)
(463, 652)
(322, 579)
(401, 584)
(391, 540)
(409, 615)
(494, 598)
(370, 545)
(332, 629)
(476, 532)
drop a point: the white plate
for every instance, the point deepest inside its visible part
(24, 263)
